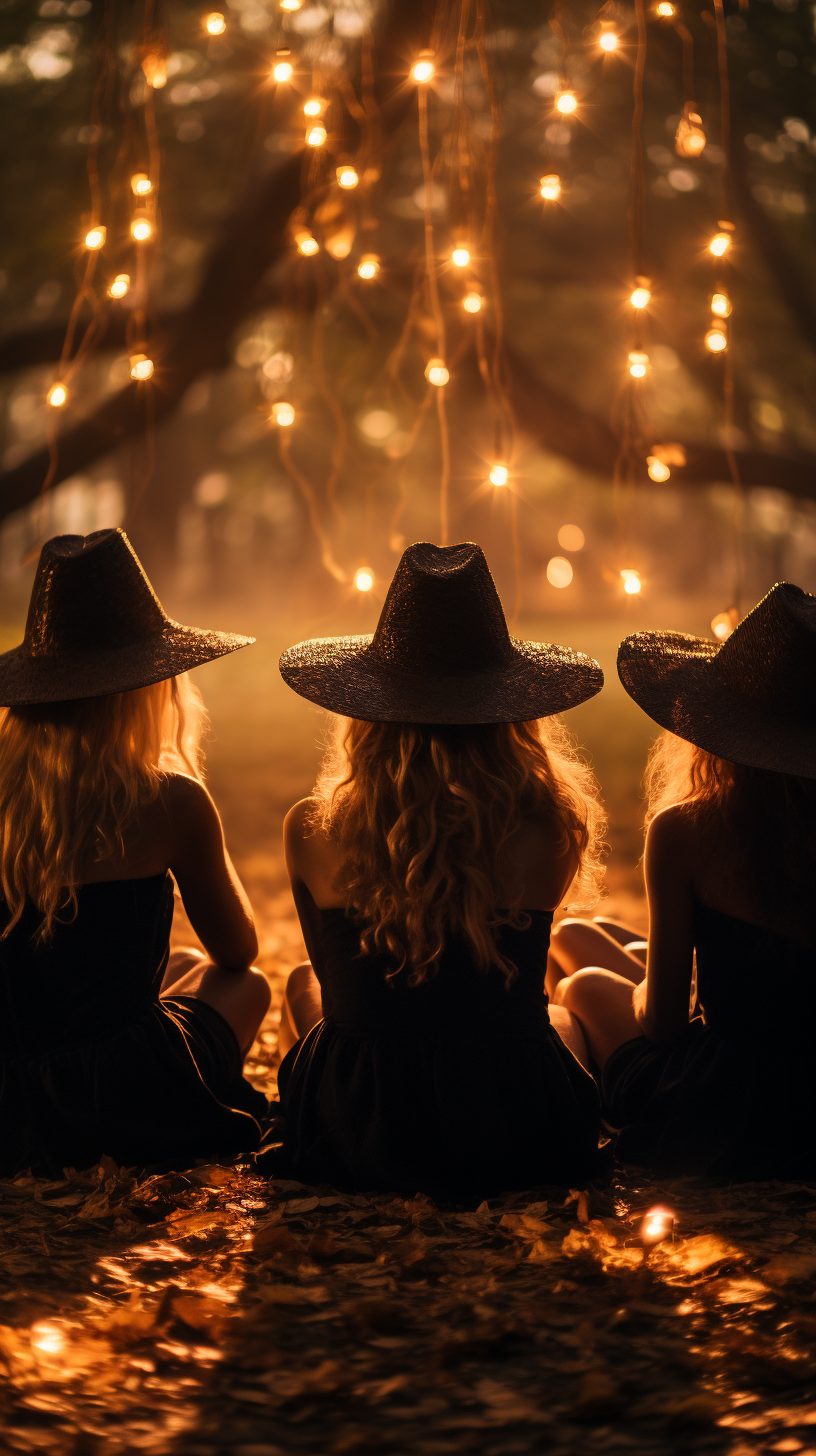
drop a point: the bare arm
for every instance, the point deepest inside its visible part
(211, 892)
(661, 1001)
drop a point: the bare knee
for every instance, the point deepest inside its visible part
(300, 982)
(579, 992)
(259, 992)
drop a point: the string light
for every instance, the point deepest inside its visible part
(666, 9)
(640, 296)
(638, 363)
(550, 187)
(566, 102)
(155, 69)
(716, 340)
(316, 136)
(723, 624)
(499, 474)
(307, 245)
(657, 1225)
(631, 582)
(95, 238)
(57, 396)
(363, 579)
(437, 372)
(283, 70)
(571, 538)
(608, 40)
(290, 4)
(314, 106)
(657, 468)
(283, 414)
(140, 184)
(120, 285)
(141, 367)
(215, 24)
(340, 245)
(472, 302)
(423, 69)
(347, 177)
(559, 571)
(141, 229)
(720, 305)
(689, 139)
(368, 266)
(719, 245)
(460, 257)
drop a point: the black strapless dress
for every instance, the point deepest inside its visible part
(735, 1096)
(92, 1062)
(458, 1087)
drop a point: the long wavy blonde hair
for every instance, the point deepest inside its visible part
(762, 825)
(421, 814)
(74, 775)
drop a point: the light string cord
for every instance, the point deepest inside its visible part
(633, 425)
(436, 310)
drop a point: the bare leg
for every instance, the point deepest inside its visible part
(569, 1030)
(575, 944)
(302, 1006)
(242, 997)
(602, 1003)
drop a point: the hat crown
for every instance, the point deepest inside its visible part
(442, 614)
(770, 656)
(90, 592)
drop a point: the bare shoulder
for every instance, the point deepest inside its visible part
(187, 804)
(540, 862)
(311, 856)
(672, 832)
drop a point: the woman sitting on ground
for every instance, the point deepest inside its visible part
(109, 1044)
(730, 872)
(448, 822)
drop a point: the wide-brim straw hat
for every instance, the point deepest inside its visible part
(751, 699)
(95, 626)
(441, 653)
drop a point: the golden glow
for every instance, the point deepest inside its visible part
(120, 285)
(282, 71)
(215, 24)
(551, 187)
(283, 414)
(141, 367)
(339, 246)
(658, 470)
(290, 4)
(472, 302)
(608, 41)
(57, 396)
(368, 266)
(141, 229)
(566, 103)
(631, 582)
(436, 372)
(316, 136)
(155, 69)
(638, 363)
(460, 257)
(363, 579)
(716, 340)
(140, 184)
(724, 623)
(424, 69)
(95, 238)
(559, 571)
(347, 177)
(499, 474)
(307, 245)
(720, 305)
(47, 1336)
(657, 1225)
(720, 243)
(314, 106)
(639, 297)
(689, 139)
(571, 538)
(666, 9)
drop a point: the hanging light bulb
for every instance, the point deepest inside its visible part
(638, 363)
(316, 136)
(566, 102)
(631, 582)
(608, 40)
(368, 266)
(155, 69)
(460, 257)
(347, 177)
(472, 302)
(720, 305)
(550, 187)
(339, 246)
(120, 285)
(666, 9)
(283, 70)
(559, 571)
(639, 297)
(689, 139)
(423, 69)
(307, 245)
(141, 229)
(57, 396)
(716, 340)
(283, 414)
(141, 367)
(723, 624)
(657, 1225)
(290, 4)
(140, 184)
(499, 474)
(436, 372)
(719, 245)
(215, 24)
(95, 238)
(314, 106)
(658, 471)
(363, 579)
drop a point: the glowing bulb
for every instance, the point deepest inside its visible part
(368, 266)
(559, 571)
(141, 229)
(141, 367)
(631, 582)
(436, 372)
(472, 302)
(724, 623)
(290, 4)
(639, 297)
(460, 257)
(666, 9)
(551, 187)
(716, 339)
(95, 238)
(47, 1336)
(57, 395)
(283, 414)
(566, 103)
(571, 538)
(608, 41)
(657, 1225)
(720, 243)
(307, 245)
(140, 184)
(424, 69)
(120, 285)
(638, 363)
(658, 471)
(720, 305)
(347, 177)
(314, 106)
(282, 71)
(689, 139)
(155, 69)
(364, 579)
(215, 24)
(499, 474)
(316, 136)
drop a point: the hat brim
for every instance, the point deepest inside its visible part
(27, 680)
(341, 674)
(674, 678)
